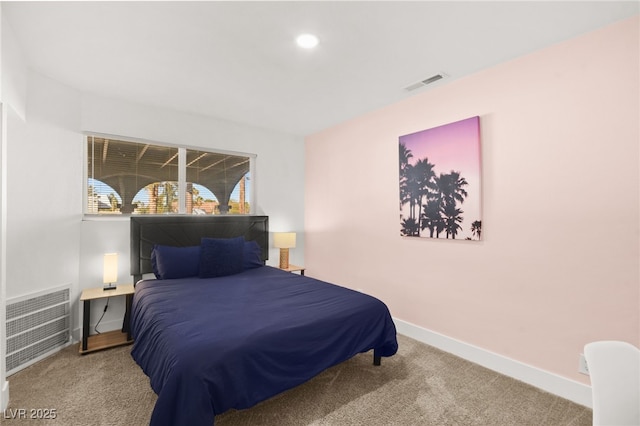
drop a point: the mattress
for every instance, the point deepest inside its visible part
(212, 344)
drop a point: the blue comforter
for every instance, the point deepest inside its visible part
(209, 345)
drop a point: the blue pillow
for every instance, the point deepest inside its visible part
(252, 255)
(221, 256)
(170, 262)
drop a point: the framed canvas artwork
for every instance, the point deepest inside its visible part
(440, 182)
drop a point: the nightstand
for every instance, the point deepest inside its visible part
(108, 339)
(294, 268)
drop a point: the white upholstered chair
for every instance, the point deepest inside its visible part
(614, 368)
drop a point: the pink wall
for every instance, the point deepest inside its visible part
(559, 264)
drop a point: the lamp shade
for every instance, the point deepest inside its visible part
(284, 239)
(110, 269)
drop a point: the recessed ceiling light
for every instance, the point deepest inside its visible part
(307, 41)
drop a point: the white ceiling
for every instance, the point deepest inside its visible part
(238, 60)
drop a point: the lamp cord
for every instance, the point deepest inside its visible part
(102, 316)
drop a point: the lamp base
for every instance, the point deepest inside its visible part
(284, 258)
(109, 287)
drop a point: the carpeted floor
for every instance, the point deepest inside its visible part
(420, 385)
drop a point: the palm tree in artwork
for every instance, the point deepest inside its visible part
(432, 199)
(405, 156)
(410, 228)
(452, 187)
(416, 183)
(476, 228)
(424, 184)
(412, 188)
(451, 192)
(408, 191)
(432, 218)
(452, 219)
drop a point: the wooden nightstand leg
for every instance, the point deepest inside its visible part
(85, 323)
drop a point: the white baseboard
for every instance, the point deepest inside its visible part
(4, 396)
(549, 382)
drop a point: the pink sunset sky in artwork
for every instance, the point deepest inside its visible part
(454, 146)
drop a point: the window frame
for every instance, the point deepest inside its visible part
(182, 174)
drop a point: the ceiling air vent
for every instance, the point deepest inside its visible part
(424, 82)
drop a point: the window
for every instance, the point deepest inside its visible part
(125, 177)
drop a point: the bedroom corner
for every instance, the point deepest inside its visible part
(4, 385)
(4, 392)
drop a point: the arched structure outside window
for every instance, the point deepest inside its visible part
(148, 178)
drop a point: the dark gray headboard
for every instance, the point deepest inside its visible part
(184, 231)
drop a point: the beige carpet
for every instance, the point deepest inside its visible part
(418, 386)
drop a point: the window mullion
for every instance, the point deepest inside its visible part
(182, 180)
(252, 176)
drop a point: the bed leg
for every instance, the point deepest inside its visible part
(376, 360)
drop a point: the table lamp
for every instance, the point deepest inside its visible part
(110, 271)
(284, 241)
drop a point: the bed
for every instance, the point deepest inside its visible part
(231, 340)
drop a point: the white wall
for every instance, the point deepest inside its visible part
(44, 192)
(12, 98)
(14, 71)
(4, 385)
